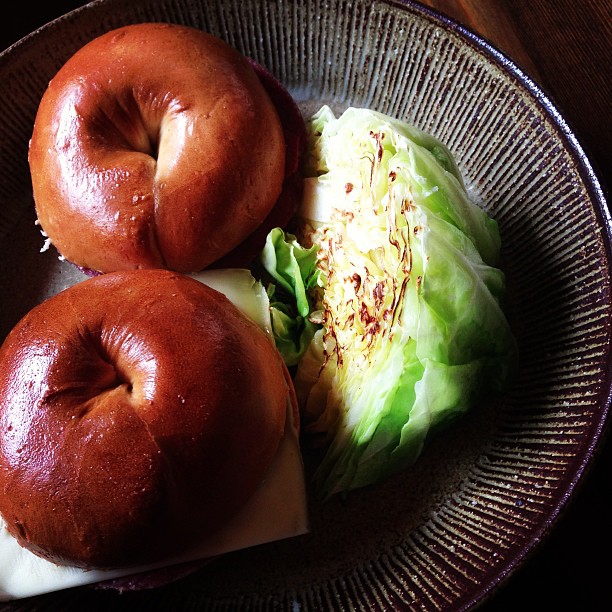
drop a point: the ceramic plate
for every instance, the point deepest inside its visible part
(446, 532)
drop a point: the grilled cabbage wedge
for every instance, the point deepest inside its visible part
(388, 298)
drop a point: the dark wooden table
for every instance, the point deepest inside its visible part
(566, 47)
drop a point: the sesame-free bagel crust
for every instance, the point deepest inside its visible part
(155, 145)
(139, 411)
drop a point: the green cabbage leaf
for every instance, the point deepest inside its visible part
(396, 320)
(290, 274)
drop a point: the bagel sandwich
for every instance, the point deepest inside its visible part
(158, 145)
(145, 422)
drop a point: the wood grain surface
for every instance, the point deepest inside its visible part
(565, 47)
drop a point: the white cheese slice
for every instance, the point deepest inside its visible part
(278, 510)
(241, 288)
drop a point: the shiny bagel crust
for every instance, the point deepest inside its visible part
(139, 411)
(154, 146)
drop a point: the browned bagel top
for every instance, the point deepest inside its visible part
(155, 145)
(138, 410)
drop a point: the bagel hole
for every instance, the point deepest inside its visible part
(126, 127)
(115, 378)
(121, 380)
(107, 371)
